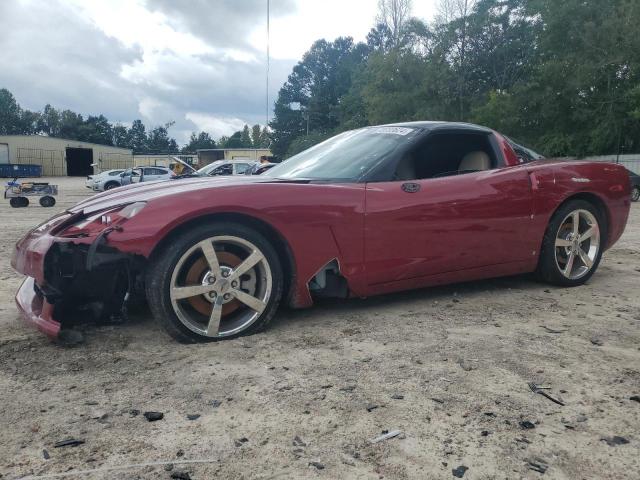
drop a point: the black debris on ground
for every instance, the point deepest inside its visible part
(216, 403)
(298, 442)
(180, 475)
(635, 398)
(153, 416)
(239, 442)
(397, 396)
(193, 416)
(537, 465)
(527, 425)
(459, 471)
(45, 455)
(70, 338)
(317, 465)
(614, 441)
(69, 442)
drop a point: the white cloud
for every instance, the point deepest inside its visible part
(216, 126)
(200, 63)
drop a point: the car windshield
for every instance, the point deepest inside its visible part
(347, 156)
(206, 170)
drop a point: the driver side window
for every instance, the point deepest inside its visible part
(447, 154)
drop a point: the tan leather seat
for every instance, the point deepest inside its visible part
(475, 161)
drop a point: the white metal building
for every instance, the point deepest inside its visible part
(62, 157)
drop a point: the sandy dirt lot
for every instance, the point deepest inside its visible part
(447, 366)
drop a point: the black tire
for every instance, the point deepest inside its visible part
(635, 194)
(548, 269)
(111, 185)
(159, 274)
(19, 202)
(47, 201)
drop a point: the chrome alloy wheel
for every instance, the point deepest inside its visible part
(220, 286)
(577, 244)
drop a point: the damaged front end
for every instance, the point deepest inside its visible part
(73, 271)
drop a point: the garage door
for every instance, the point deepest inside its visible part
(4, 153)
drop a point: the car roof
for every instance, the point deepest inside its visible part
(439, 125)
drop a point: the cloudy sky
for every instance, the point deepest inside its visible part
(200, 63)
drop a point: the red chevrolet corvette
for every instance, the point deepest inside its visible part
(370, 211)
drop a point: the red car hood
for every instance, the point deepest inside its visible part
(146, 192)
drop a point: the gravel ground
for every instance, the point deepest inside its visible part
(446, 366)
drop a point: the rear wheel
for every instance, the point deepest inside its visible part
(635, 194)
(215, 282)
(572, 245)
(19, 202)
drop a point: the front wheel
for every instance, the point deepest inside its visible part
(47, 201)
(215, 282)
(572, 245)
(111, 185)
(635, 194)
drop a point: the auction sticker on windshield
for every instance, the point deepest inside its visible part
(391, 130)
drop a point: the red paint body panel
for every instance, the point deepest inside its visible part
(35, 310)
(456, 228)
(451, 224)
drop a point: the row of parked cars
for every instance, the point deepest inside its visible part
(116, 178)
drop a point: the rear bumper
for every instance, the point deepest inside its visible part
(35, 309)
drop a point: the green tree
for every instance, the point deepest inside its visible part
(315, 88)
(10, 114)
(256, 133)
(199, 141)
(159, 141)
(49, 123)
(245, 137)
(137, 137)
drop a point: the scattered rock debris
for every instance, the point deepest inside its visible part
(193, 416)
(317, 465)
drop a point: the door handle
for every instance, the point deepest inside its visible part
(410, 187)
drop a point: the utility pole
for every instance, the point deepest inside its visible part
(267, 95)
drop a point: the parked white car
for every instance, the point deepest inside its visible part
(145, 174)
(226, 167)
(104, 180)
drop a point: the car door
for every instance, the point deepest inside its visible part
(420, 228)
